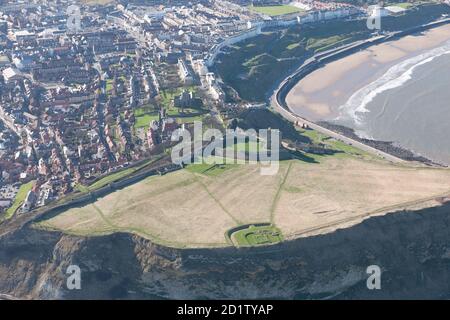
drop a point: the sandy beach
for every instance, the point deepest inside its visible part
(319, 95)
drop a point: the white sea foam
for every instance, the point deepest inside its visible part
(395, 77)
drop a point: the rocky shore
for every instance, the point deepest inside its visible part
(385, 146)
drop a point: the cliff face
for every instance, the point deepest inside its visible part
(411, 248)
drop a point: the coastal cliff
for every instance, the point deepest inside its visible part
(411, 248)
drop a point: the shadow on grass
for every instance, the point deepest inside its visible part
(300, 156)
(306, 158)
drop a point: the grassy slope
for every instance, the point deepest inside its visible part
(111, 178)
(116, 176)
(19, 199)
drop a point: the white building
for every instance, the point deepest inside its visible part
(184, 72)
(395, 10)
(11, 74)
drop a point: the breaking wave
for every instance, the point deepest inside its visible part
(395, 77)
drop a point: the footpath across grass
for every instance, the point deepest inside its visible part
(211, 170)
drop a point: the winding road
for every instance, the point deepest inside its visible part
(288, 115)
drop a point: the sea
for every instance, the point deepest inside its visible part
(408, 105)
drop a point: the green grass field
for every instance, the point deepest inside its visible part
(324, 44)
(111, 178)
(292, 46)
(143, 121)
(211, 170)
(20, 197)
(109, 85)
(404, 5)
(248, 146)
(183, 115)
(257, 236)
(144, 115)
(275, 10)
(168, 95)
(344, 150)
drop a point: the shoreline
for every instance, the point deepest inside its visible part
(385, 146)
(321, 62)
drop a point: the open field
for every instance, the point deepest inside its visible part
(143, 120)
(275, 10)
(209, 169)
(196, 206)
(144, 115)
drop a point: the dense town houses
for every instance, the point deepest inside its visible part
(78, 104)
